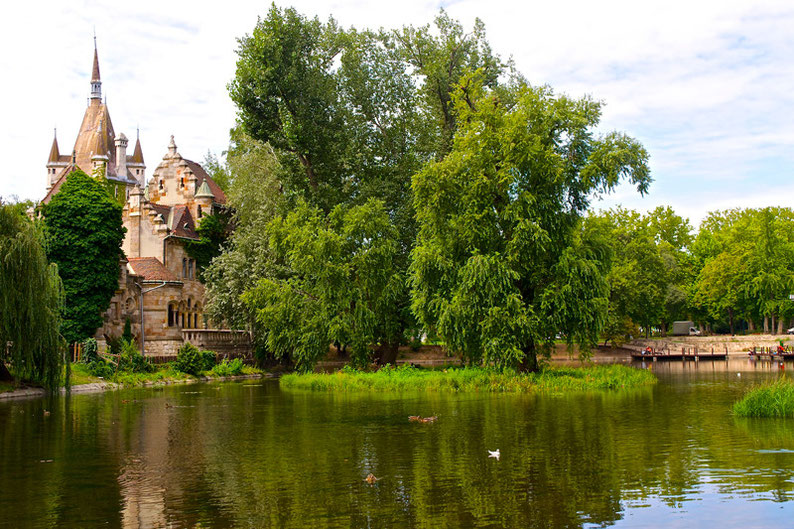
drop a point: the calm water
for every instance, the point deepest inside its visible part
(249, 455)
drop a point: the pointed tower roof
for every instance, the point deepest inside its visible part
(137, 154)
(95, 72)
(96, 83)
(204, 191)
(55, 154)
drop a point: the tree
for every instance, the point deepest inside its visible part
(254, 198)
(497, 269)
(217, 170)
(84, 236)
(336, 283)
(31, 299)
(213, 231)
(351, 116)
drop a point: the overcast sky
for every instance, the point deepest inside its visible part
(706, 86)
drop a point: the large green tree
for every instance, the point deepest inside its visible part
(84, 236)
(31, 299)
(334, 281)
(351, 116)
(498, 269)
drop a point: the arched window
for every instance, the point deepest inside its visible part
(173, 315)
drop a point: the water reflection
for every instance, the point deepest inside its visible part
(247, 454)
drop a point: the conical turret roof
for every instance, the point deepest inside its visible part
(95, 72)
(54, 152)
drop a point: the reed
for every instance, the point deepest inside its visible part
(470, 379)
(772, 399)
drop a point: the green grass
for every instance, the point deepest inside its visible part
(549, 380)
(7, 386)
(773, 399)
(164, 373)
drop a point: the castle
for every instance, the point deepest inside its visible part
(159, 292)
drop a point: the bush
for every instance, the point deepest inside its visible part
(208, 360)
(132, 360)
(227, 368)
(100, 368)
(192, 361)
(90, 351)
(127, 334)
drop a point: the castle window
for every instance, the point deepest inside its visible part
(190, 269)
(182, 182)
(199, 212)
(184, 267)
(172, 315)
(160, 185)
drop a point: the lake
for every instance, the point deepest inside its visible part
(246, 454)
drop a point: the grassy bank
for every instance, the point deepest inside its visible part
(407, 378)
(163, 373)
(773, 399)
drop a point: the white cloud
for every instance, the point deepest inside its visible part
(705, 86)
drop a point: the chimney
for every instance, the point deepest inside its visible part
(121, 156)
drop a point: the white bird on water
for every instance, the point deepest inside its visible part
(494, 453)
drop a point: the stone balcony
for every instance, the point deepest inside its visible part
(222, 341)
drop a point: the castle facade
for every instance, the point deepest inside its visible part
(159, 291)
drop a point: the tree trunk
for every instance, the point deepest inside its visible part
(386, 353)
(772, 327)
(780, 329)
(750, 325)
(530, 362)
(5, 374)
(664, 329)
(730, 319)
(766, 324)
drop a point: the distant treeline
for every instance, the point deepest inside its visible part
(734, 274)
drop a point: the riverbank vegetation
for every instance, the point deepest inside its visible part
(472, 379)
(773, 399)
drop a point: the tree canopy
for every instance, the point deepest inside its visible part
(84, 237)
(499, 269)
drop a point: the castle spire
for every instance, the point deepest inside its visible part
(96, 83)
(55, 154)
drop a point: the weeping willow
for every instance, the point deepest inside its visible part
(31, 300)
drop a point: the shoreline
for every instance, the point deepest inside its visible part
(99, 387)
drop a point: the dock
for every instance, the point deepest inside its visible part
(685, 353)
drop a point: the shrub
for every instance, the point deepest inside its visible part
(228, 368)
(114, 344)
(190, 360)
(132, 360)
(90, 351)
(207, 360)
(100, 368)
(127, 334)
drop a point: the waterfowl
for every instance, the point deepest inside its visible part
(495, 454)
(414, 418)
(371, 479)
(430, 419)
(46, 413)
